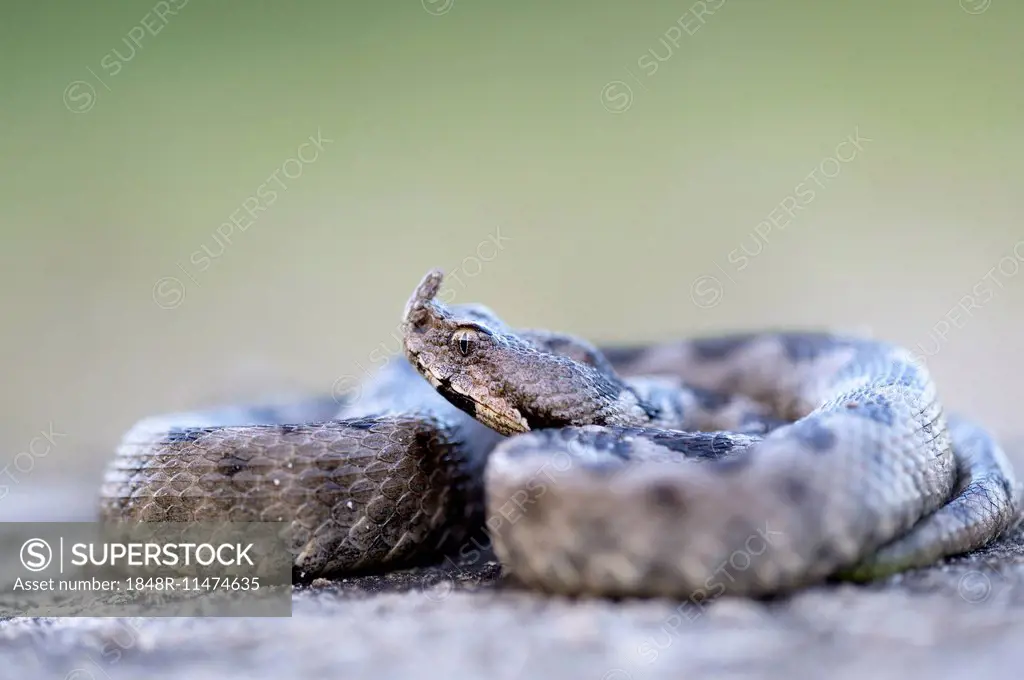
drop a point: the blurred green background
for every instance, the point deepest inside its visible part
(621, 154)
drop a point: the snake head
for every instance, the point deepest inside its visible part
(501, 378)
(455, 349)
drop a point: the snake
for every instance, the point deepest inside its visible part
(746, 463)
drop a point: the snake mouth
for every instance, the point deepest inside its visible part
(503, 423)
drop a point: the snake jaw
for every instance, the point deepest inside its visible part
(461, 391)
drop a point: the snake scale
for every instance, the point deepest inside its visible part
(748, 464)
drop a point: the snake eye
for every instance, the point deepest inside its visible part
(466, 339)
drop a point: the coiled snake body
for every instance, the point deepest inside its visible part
(748, 464)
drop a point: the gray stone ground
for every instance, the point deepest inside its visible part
(963, 618)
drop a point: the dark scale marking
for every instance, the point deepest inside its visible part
(878, 408)
(795, 490)
(710, 400)
(231, 466)
(361, 423)
(536, 422)
(622, 356)
(1007, 486)
(824, 552)
(650, 410)
(815, 435)
(567, 434)
(556, 343)
(694, 444)
(870, 354)
(604, 441)
(719, 348)
(666, 496)
(808, 346)
(185, 435)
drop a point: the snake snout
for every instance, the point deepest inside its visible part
(418, 308)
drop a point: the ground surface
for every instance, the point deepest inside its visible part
(962, 618)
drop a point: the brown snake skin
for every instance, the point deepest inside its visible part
(750, 463)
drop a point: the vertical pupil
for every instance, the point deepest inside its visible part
(464, 345)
